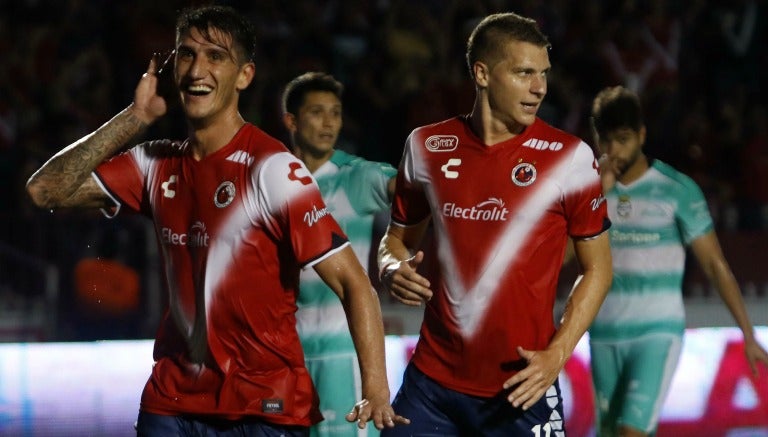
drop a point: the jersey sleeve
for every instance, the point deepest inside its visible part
(409, 205)
(375, 176)
(693, 216)
(289, 199)
(122, 178)
(585, 205)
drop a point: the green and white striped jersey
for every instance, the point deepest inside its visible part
(354, 190)
(653, 220)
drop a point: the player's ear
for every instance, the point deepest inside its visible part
(244, 78)
(641, 135)
(289, 121)
(480, 71)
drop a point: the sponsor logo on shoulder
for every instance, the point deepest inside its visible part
(314, 216)
(596, 202)
(442, 143)
(296, 173)
(537, 144)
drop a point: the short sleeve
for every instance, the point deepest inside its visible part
(693, 216)
(585, 205)
(289, 199)
(409, 205)
(122, 178)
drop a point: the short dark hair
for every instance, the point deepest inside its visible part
(615, 108)
(493, 31)
(299, 87)
(225, 19)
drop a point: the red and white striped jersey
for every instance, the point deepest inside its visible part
(501, 216)
(234, 229)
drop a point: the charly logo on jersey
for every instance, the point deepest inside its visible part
(523, 174)
(168, 192)
(624, 206)
(442, 143)
(491, 210)
(314, 215)
(197, 236)
(224, 194)
(448, 166)
(537, 144)
(294, 174)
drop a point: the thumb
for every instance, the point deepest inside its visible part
(524, 353)
(414, 261)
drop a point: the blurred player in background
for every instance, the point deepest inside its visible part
(237, 215)
(503, 191)
(656, 211)
(354, 190)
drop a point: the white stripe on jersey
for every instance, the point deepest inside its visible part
(659, 259)
(661, 307)
(470, 305)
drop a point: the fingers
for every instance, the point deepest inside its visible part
(404, 284)
(530, 383)
(382, 416)
(152, 68)
(409, 292)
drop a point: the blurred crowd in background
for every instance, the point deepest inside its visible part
(66, 66)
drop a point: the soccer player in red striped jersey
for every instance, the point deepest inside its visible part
(237, 215)
(503, 192)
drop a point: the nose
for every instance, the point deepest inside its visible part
(330, 119)
(195, 68)
(539, 85)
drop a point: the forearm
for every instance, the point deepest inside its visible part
(584, 301)
(367, 330)
(391, 250)
(730, 292)
(580, 309)
(56, 181)
(347, 278)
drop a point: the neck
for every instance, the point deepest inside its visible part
(489, 129)
(312, 161)
(635, 171)
(207, 138)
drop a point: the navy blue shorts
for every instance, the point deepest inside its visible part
(156, 425)
(437, 411)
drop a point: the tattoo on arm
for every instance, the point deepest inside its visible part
(59, 181)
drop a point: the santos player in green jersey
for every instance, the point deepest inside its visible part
(354, 190)
(656, 213)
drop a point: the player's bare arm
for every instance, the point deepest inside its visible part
(397, 267)
(64, 181)
(531, 383)
(347, 278)
(710, 256)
